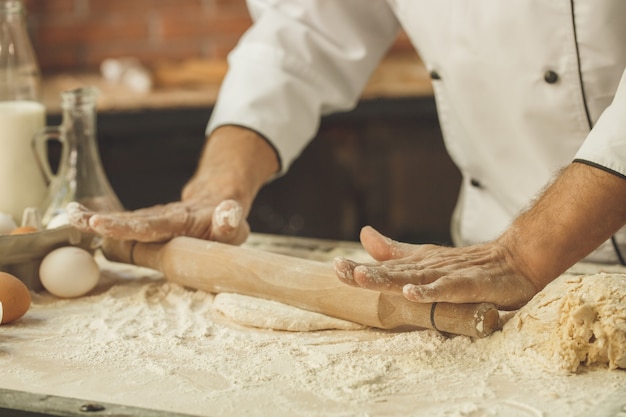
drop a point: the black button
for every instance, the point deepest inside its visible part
(551, 77)
(434, 75)
(475, 183)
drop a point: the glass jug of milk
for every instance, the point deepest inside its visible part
(21, 114)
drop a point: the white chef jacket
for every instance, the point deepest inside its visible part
(523, 87)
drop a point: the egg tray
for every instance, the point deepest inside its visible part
(21, 255)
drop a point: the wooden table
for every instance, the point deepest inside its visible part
(53, 367)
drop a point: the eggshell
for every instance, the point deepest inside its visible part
(6, 223)
(69, 272)
(14, 296)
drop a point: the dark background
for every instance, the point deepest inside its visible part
(382, 164)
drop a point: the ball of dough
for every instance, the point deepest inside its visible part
(69, 272)
(575, 321)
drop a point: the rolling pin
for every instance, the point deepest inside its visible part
(311, 285)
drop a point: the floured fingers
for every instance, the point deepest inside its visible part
(78, 216)
(228, 224)
(148, 225)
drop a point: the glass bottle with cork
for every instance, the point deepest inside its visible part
(80, 176)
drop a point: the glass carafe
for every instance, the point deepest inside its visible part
(80, 176)
(21, 114)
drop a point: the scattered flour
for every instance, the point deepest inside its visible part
(140, 341)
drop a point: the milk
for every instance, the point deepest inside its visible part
(22, 183)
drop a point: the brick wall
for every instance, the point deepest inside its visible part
(76, 35)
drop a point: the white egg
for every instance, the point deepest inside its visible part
(7, 224)
(69, 272)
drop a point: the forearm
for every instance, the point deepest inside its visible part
(235, 163)
(580, 210)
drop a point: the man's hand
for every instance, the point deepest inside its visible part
(582, 208)
(429, 273)
(194, 218)
(235, 164)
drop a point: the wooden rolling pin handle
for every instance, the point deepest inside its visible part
(216, 267)
(119, 250)
(472, 319)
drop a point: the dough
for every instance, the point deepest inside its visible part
(268, 314)
(574, 321)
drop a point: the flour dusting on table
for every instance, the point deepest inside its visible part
(140, 341)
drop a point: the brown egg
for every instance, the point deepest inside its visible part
(23, 230)
(14, 296)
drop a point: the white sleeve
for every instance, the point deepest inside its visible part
(605, 146)
(298, 61)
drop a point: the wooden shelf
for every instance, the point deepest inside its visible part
(195, 83)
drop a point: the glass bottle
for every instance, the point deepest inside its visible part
(21, 113)
(80, 176)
